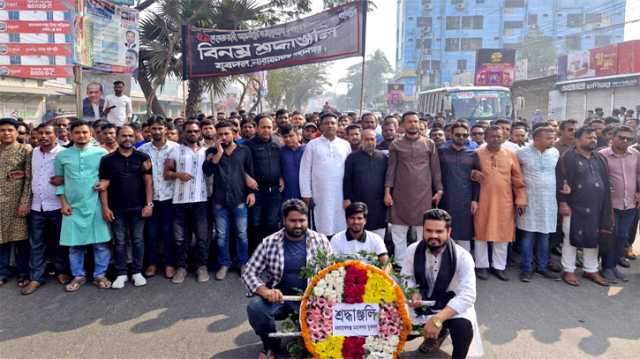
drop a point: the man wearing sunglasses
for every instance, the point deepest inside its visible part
(567, 136)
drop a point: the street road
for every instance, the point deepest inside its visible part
(542, 319)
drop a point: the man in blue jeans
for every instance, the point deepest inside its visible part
(265, 214)
(538, 162)
(230, 163)
(279, 259)
(45, 219)
(624, 176)
(127, 203)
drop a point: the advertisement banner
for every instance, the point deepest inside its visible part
(17, 49)
(38, 5)
(109, 39)
(604, 60)
(36, 71)
(629, 57)
(395, 94)
(603, 84)
(34, 27)
(330, 35)
(579, 65)
(495, 67)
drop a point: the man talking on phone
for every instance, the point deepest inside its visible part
(117, 107)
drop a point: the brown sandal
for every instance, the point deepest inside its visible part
(22, 282)
(75, 284)
(102, 283)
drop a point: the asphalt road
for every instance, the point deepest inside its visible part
(542, 319)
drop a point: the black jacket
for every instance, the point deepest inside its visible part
(266, 161)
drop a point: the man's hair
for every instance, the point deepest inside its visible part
(477, 125)
(94, 84)
(327, 114)
(261, 116)
(45, 125)
(619, 129)
(611, 120)
(539, 131)
(539, 124)
(596, 120)
(437, 214)
(518, 124)
(279, 113)
(501, 121)
(294, 205)
(566, 123)
(352, 127)
(190, 122)
(224, 123)
(356, 208)
(407, 114)
(108, 126)
(119, 128)
(10, 121)
(459, 125)
(78, 123)
(492, 128)
(248, 121)
(286, 128)
(584, 130)
(366, 114)
(118, 82)
(156, 120)
(206, 122)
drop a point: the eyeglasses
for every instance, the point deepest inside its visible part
(465, 135)
(625, 138)
(477, 133)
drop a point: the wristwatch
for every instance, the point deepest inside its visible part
(436, 322)
(149, 205)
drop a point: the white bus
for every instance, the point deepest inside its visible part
(471, 103)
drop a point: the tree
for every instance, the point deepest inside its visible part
(292, 87)
(377, 72)
(539, 51)
(160, 38)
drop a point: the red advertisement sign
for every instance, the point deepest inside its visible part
(36, 72)
(16, 49)
(37, 5)
(604, 60)
(629, 57)
(35, 27)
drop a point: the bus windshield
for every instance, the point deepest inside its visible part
(481, 104)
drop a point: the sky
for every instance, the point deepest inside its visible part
(381, 34)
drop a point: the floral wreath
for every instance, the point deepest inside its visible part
(353, 282)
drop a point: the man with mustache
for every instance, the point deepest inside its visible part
(279, 259)
(586, 209)
(442, 271)
(127, 203)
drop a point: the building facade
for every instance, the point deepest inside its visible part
(438, 39)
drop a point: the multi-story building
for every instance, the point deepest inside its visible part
(437, 39)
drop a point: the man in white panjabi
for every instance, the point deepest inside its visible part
(321, 175)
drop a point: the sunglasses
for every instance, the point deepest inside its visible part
(477, 133)
(465, 135)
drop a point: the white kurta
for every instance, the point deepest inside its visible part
(463, 284)
(321, 175)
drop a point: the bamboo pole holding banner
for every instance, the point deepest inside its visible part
(365, 9)
(77, 81)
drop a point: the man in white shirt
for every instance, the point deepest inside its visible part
(355, 240)
(46, 219)
(117, 107)
(518, 138)
(443, 272)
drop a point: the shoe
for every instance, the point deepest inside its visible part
(119, 282)
(624, 263)
(482, 273)
(571, 279)
(631, 254)
(203, 274)
(138, 280)
(169, 272)
(526, 276)
(221, 273)
(620, 275)
(555, 267)
(610, 276)
(179, 276)
(63, 278)
(431, 345)
(31, 287)
(500, 274)
(557, 250)
(548, 274)
(596, 278)
(151, 271)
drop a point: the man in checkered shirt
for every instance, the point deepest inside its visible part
(280, 258)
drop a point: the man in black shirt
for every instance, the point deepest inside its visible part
(127, 202)
(364, 175)
(229, 162)
(265, 215)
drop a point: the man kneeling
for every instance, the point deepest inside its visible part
(280, 258)
(443, 272)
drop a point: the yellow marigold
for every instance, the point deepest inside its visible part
(379, 289)
(330, 348)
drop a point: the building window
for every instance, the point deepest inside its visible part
(472, 22)
(452, 45)
(514, 3)
(479, 1)
(574, 20)
(513, 24)
(424, 44)
(573, 42)
(14, 37)
(51, 38)
(602, 40)
(462, 65)
(593, 18)
(14, 15)
(532, 20)
(424, 22)
(49, 15)
(453, 22)
(52, 60)
(471, 44)
(456, 2)
(15, 60)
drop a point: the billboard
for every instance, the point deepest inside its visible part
(495, 67)
(332, 34)
(604, 60)
(618, 59)
(395, 94)
(579, 65)
(36, 38)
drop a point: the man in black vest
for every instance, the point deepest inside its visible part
(442, 272)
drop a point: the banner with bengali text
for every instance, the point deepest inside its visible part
(330, 35)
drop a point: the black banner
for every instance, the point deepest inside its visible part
(495, 67)
(330, 35)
